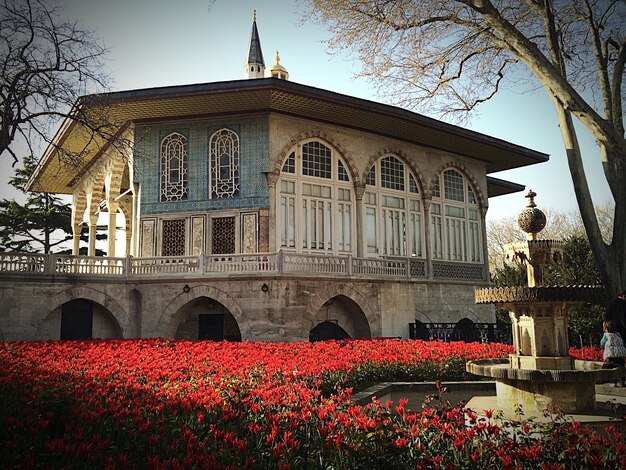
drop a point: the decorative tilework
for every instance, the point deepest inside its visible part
(254, 154)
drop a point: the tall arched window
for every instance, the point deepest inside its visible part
(174, 151)
(224, 164)
(455, 219)
(392, 210)
(315, 203)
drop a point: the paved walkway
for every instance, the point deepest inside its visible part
(611, 397)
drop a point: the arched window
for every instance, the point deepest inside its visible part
(174, 151)
(315, 203)
(224, 164)
(393, 213)
(455, 219)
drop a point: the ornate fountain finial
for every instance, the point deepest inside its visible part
(531, 220)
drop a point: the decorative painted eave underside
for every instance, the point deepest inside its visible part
(262, 96)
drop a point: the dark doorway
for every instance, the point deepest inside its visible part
(207, 319)
(211, 327)
(327, 330)
(466, 330)
(76, 319)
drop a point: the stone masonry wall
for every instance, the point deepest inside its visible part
(30, 306)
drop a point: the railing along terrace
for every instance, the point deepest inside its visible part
(23, 262)
(240, 263)
(99, 265)
(164, 265)
(214, 265)
(297, 263)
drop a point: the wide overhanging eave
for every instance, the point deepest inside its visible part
(499, 187)
(263, 96)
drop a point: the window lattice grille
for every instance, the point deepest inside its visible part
(392, 173)
(173, 237)
(316, 160)
(223, 234)
(290, 164)
(453, 185)
(413, 185)
(342, 174)
(436, 189)
(174, 167)
(224, 157)
(371, 177)
(471, 197)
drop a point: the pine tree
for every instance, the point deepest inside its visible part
(42, 224)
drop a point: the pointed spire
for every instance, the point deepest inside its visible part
(255, 68)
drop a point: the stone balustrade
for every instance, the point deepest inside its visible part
(232, 264)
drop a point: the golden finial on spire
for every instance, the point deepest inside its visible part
(254, 16)
(277, 57)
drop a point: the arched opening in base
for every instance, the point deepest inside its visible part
(79, 319)
(327, 330)
(466, 330)
(207, 319)
(340, 318)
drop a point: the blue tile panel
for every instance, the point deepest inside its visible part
(253, 161)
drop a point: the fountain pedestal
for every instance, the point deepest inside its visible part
(540, 375)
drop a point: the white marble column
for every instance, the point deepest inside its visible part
(427, 240)
(77, 229)
(111, 231)
(129, 239)
(272, 180)
(360, 229)
(91, 251)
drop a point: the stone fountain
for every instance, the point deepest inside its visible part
(540, 374)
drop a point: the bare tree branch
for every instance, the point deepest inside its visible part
(449, 56)
(46, 64)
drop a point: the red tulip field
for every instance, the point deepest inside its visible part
(158, 403)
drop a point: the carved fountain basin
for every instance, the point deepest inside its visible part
(540, 373)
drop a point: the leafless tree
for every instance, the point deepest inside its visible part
(47, 63)
(561, 225)
(460, 51)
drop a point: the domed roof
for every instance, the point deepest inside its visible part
(278, 70)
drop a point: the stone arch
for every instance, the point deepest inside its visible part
(115, 309)
(96, 194)
(169, 319)
(401, 156)
(325, 138)
(482, 200)
(330, 291)
(126, 210)
(113, 176)
(79, 206)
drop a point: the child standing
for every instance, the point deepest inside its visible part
(613, 343)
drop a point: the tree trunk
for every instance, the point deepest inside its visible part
(609, 258)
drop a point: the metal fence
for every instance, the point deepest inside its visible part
(464, 330)
(468, 331)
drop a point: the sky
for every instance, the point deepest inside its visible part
(157, 43)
